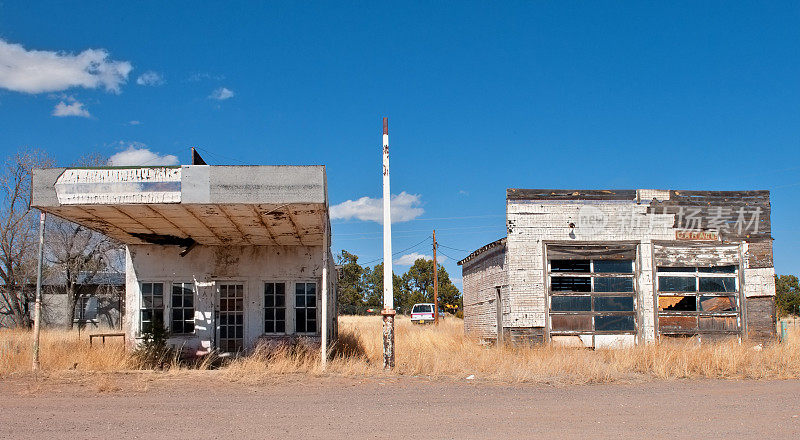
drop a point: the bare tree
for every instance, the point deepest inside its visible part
(77, 254)
(18, 234)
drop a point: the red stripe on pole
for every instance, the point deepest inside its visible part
(385, 125)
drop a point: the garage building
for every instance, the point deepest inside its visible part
(610, 268)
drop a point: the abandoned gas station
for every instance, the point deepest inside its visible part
(614, 268)
(222, 256)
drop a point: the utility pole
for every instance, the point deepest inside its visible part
(388, 311)
(435, 283)
(37, 308)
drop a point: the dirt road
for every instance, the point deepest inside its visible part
(206, 406)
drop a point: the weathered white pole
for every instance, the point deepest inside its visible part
(388, 295)
(37, 307)
(324, 327)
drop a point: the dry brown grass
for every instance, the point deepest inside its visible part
(59, 350)
(444, 351)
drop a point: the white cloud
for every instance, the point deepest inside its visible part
(38, 71)
(150, 78)
(410, 259)
(221, 94)
(137, 153)
(75, 109)
(405, 207)
(134, 122)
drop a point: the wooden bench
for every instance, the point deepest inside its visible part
(103, 337)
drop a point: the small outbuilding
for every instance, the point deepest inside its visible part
(222, 256)
(610, 268)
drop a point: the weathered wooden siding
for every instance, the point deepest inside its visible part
(650, 219)
(761, 317)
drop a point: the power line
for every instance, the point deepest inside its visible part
(455, 249)
(400, 251)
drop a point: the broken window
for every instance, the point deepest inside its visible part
(275, 308)
(151, 310)
(697, 300)
(182, 322)
(592, 295)
(305, 307)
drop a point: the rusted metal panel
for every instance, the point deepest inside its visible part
(677, 323)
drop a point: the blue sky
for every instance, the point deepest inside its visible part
(481, 96)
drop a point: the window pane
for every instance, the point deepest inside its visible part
(147, 288)
(311, 289)
(269, 327)
(188, 327)
(421, 308)
(280, 289)
(613, 303)
(718, 303)
(300, 320)
(726, 284)
(269, 289)
(280, 301)
(569, 265)
(676, 269)
(269, 301)
(613, 266)
(614, 323)
(299, 289)
(605, 284)
(158, 289)
(677, 303)
(571, 284)
(177, 300)
(571, 323)
(280, 326)
(188, 298)
(718, 269)
(676, 284)
(300, 300)
(570, 303)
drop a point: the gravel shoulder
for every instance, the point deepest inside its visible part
(206, 405)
